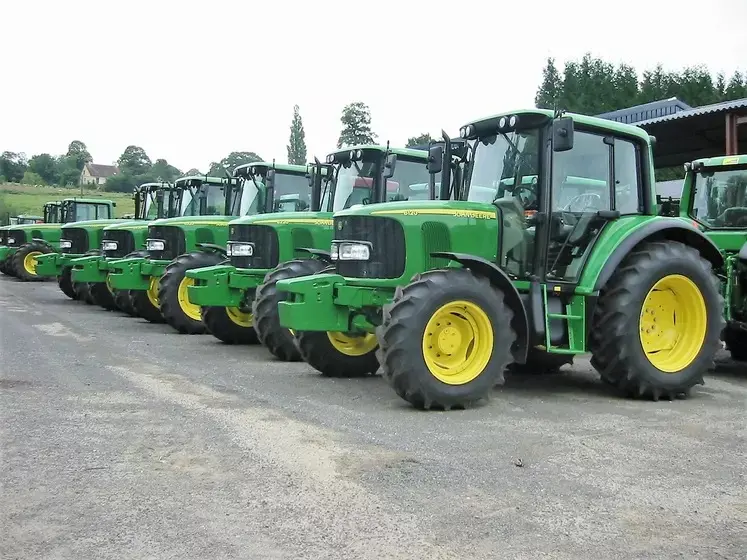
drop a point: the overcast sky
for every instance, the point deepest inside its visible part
(192, 81)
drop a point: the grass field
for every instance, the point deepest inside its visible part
(29, 199)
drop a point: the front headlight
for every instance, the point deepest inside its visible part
(11, 240)
(109, 246)
(65, 244)
(155, 244)
(350, 251)
(236, 249)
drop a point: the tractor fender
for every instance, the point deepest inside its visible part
(213, 247)
(520, 322)
(321, 254)
(673, 229)
(44, 242)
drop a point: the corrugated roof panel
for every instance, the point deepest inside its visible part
(703, 110)
(646, 111)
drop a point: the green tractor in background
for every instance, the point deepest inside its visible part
(554, 248)
(7, 266)
(36, 243)
(714, 198)
(84, 221)
(265, 249)
(196, 240)
(126, 240)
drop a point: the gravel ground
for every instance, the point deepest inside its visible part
(124, 439)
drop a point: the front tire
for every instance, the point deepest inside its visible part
(65, 283)
(446, 339)
(176, 308)
(24, 261)
(658, 323)
(736, 344)
(277, 339)
(229, 324)
(123, 298)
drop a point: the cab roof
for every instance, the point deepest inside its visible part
(720, 161)
(379, 148)
(539, 117)
(269, 165)
(87, 200)
(196, 180)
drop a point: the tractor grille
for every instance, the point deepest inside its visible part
(176, 243)
(79, 239)
(266, 246)
(125, 243)
(19, 235)
(388, 239)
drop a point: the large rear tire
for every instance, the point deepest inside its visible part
(24, 261)
(446, 339)
(176, 308)
(658, 322)
(66, 284)
(103, 296)
(229, 324)
(279, 340)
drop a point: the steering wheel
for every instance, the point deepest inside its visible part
(532, 196)
(590, 199)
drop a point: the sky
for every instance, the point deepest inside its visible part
(192, 81)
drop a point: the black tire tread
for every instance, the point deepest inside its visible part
(218, 324)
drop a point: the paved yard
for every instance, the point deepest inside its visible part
(123, 439)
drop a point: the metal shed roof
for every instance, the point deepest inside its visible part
(693, 112)
(647, 111)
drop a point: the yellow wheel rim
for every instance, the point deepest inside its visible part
(153, 292)
(109, 285)
(239, 317)
(29, 262)
(458, 342)
(673, 323)
(190, 309)
(352, 345)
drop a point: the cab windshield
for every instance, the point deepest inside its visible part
(721, 198)
(504, 166)
(151, 204)
(80, 211)
(292, 193)
(353, 183)
(214, 199)
(249, 201)
(51, 213)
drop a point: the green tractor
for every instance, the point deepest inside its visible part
(83, 222)
(265, 249)
(7, 250)
(125, 240)
(714, 199)
(554, 248)
(198, 239)
(40, 242)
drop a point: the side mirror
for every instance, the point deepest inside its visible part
(114, 204)
(389, 165)
(562, 134)
(270, 178)
(435, 159)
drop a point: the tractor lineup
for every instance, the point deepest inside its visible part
(531, 238)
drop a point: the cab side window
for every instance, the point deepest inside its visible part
(627, 182)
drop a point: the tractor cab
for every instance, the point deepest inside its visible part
(717, 192)
(25, 219)
(157, 200)
(86, 209)
(52, 212)
(270, 187)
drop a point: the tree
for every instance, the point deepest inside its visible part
(12, 166)
(231, 162)
(46, 167)
(78, 152)
(422, 139)
(31, 178)
(122, 182)
(193, 171)
(551, 87)
(134, 161)
(297, 141)
(162, 171)
(356, 125)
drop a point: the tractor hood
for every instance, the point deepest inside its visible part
(321, 218)
(128, 225)
(93, 223)
(192, 221)
(446, 208)
(28, 227)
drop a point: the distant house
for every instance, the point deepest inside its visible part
(97, 174)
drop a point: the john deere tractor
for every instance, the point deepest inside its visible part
(8, 249)
(714, 199)
(36, 242)
(125, 240)
(555, 247)
(239, 299)
(83, 224)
